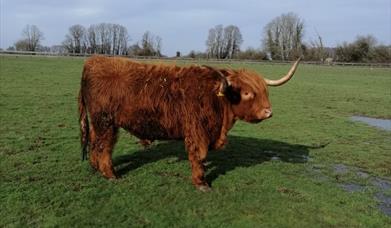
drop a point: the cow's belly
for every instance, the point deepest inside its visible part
(152, 129)
(150, 123)
(148, 130)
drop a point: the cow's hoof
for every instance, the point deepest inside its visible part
(204, 188)
(206, 163)
(112, 179)
(94, 164)
(146, 143)
(110, 175)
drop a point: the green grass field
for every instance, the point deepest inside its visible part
(289, 171)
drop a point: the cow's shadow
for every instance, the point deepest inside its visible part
(240, 152)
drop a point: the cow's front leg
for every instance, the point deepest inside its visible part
(197, 150)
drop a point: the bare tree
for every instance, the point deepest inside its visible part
(105, 38)
(211, 43)
(317, 50)
(68, 44)
(76, 40)
(219, 40)
(146, 44)
(120, 38)
(92, 39)
(151, 45)
(283, 37)
(124, 38)
(32, 37)
(231, 42)
(158, 45)
(223, 42)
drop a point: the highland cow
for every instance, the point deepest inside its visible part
(197, 104)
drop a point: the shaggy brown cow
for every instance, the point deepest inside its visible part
(199, 104)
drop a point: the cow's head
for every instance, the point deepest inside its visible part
(248, 92)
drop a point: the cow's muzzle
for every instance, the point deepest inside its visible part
(264, 114)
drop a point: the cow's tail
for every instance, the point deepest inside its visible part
(84, 125)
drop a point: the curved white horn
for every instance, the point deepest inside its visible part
(284, 79)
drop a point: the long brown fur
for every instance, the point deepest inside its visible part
(164, 102)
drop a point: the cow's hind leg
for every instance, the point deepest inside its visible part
(103, 139)
(105, 162)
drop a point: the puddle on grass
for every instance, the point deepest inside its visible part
(381, 185)
(362, 175)
(384, 185)
(384, 124)
(386, 209)
(276, 156)
(340, 168)
(351, 187)
(385, 203)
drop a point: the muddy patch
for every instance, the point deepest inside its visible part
(384, 124)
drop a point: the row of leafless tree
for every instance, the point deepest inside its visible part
(282, 40)
(113, 39)
(103, 38)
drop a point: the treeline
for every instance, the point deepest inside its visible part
(103, 38)
(282, 39)
(111, 39)
(363, 49)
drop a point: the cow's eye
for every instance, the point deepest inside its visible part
(247, 95)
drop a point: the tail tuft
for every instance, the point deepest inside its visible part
(84, 126)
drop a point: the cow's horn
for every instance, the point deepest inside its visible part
(284, 79)
(224, 82)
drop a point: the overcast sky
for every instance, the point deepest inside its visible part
(184, 24)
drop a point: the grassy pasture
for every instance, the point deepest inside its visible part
(287, 171)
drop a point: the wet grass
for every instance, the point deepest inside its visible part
(278, 173)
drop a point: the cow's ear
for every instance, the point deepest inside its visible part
(233, 94)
